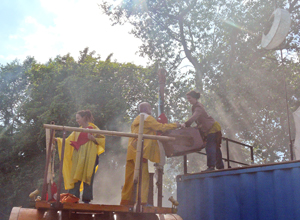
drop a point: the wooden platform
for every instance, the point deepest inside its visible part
(95, 208)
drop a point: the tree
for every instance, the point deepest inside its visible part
(241, 83)
(196, 30)
(55, 91)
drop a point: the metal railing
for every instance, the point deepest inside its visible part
(227, 140)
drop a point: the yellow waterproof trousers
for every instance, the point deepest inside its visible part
(127, 191)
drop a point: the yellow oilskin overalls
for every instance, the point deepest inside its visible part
(150, 152)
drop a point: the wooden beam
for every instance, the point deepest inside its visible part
(109, 133)
(42, 205)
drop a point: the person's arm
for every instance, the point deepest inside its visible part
(198, 111)
(92, 138)
(155, 125)
(99, 140)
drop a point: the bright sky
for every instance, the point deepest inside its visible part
(47, 28)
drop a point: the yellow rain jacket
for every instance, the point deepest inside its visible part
(76, 167)
(151, 148)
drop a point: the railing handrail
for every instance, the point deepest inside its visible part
(236, 142)
(234, 161)
(108, 133)
(240, 143)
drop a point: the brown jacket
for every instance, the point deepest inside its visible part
(201, 118)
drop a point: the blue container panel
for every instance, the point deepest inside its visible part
(258, 192)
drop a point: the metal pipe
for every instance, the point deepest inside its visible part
(252, 156)
(234, 161)
(184, 164)
(287, 109)
(236, 142)
(227, 149)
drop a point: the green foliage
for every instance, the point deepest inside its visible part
(242, 84)
(55, 91)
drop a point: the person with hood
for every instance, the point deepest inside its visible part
(150, 152)
(81, 158)
(209, 128)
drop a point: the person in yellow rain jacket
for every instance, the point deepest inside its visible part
(150, 152)
(81, 157)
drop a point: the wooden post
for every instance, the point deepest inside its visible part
(49, 150)
(138, 161)
(47, 166)
(160, 171)
(151, 189)
(139, 198)
(60, 175)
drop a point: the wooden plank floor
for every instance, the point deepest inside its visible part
(103, 208)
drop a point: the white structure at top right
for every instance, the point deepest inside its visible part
(279, 29)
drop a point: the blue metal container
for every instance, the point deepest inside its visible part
(255, 192)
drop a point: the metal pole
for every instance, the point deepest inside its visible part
(252, 157)
(227, 149)
(185, 164)
(288, 117)
(287, 109)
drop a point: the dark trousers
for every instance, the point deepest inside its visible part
(87, 194)
(214, 154)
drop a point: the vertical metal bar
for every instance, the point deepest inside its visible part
(47, 166)
(287, 109)
(60, 175)
(252, 157)
(288, 118)
(227, 149)
(151, 189)
(185, 164)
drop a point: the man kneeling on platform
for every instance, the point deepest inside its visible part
(150, 152)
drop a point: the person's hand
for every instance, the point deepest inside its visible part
(91, 137)
(182, 125)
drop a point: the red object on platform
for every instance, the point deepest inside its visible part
(82, 139)
(53, 191)
(162, 118)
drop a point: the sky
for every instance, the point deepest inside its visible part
(48, 28)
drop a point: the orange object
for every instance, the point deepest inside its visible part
(19, 213)
(68, 197)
